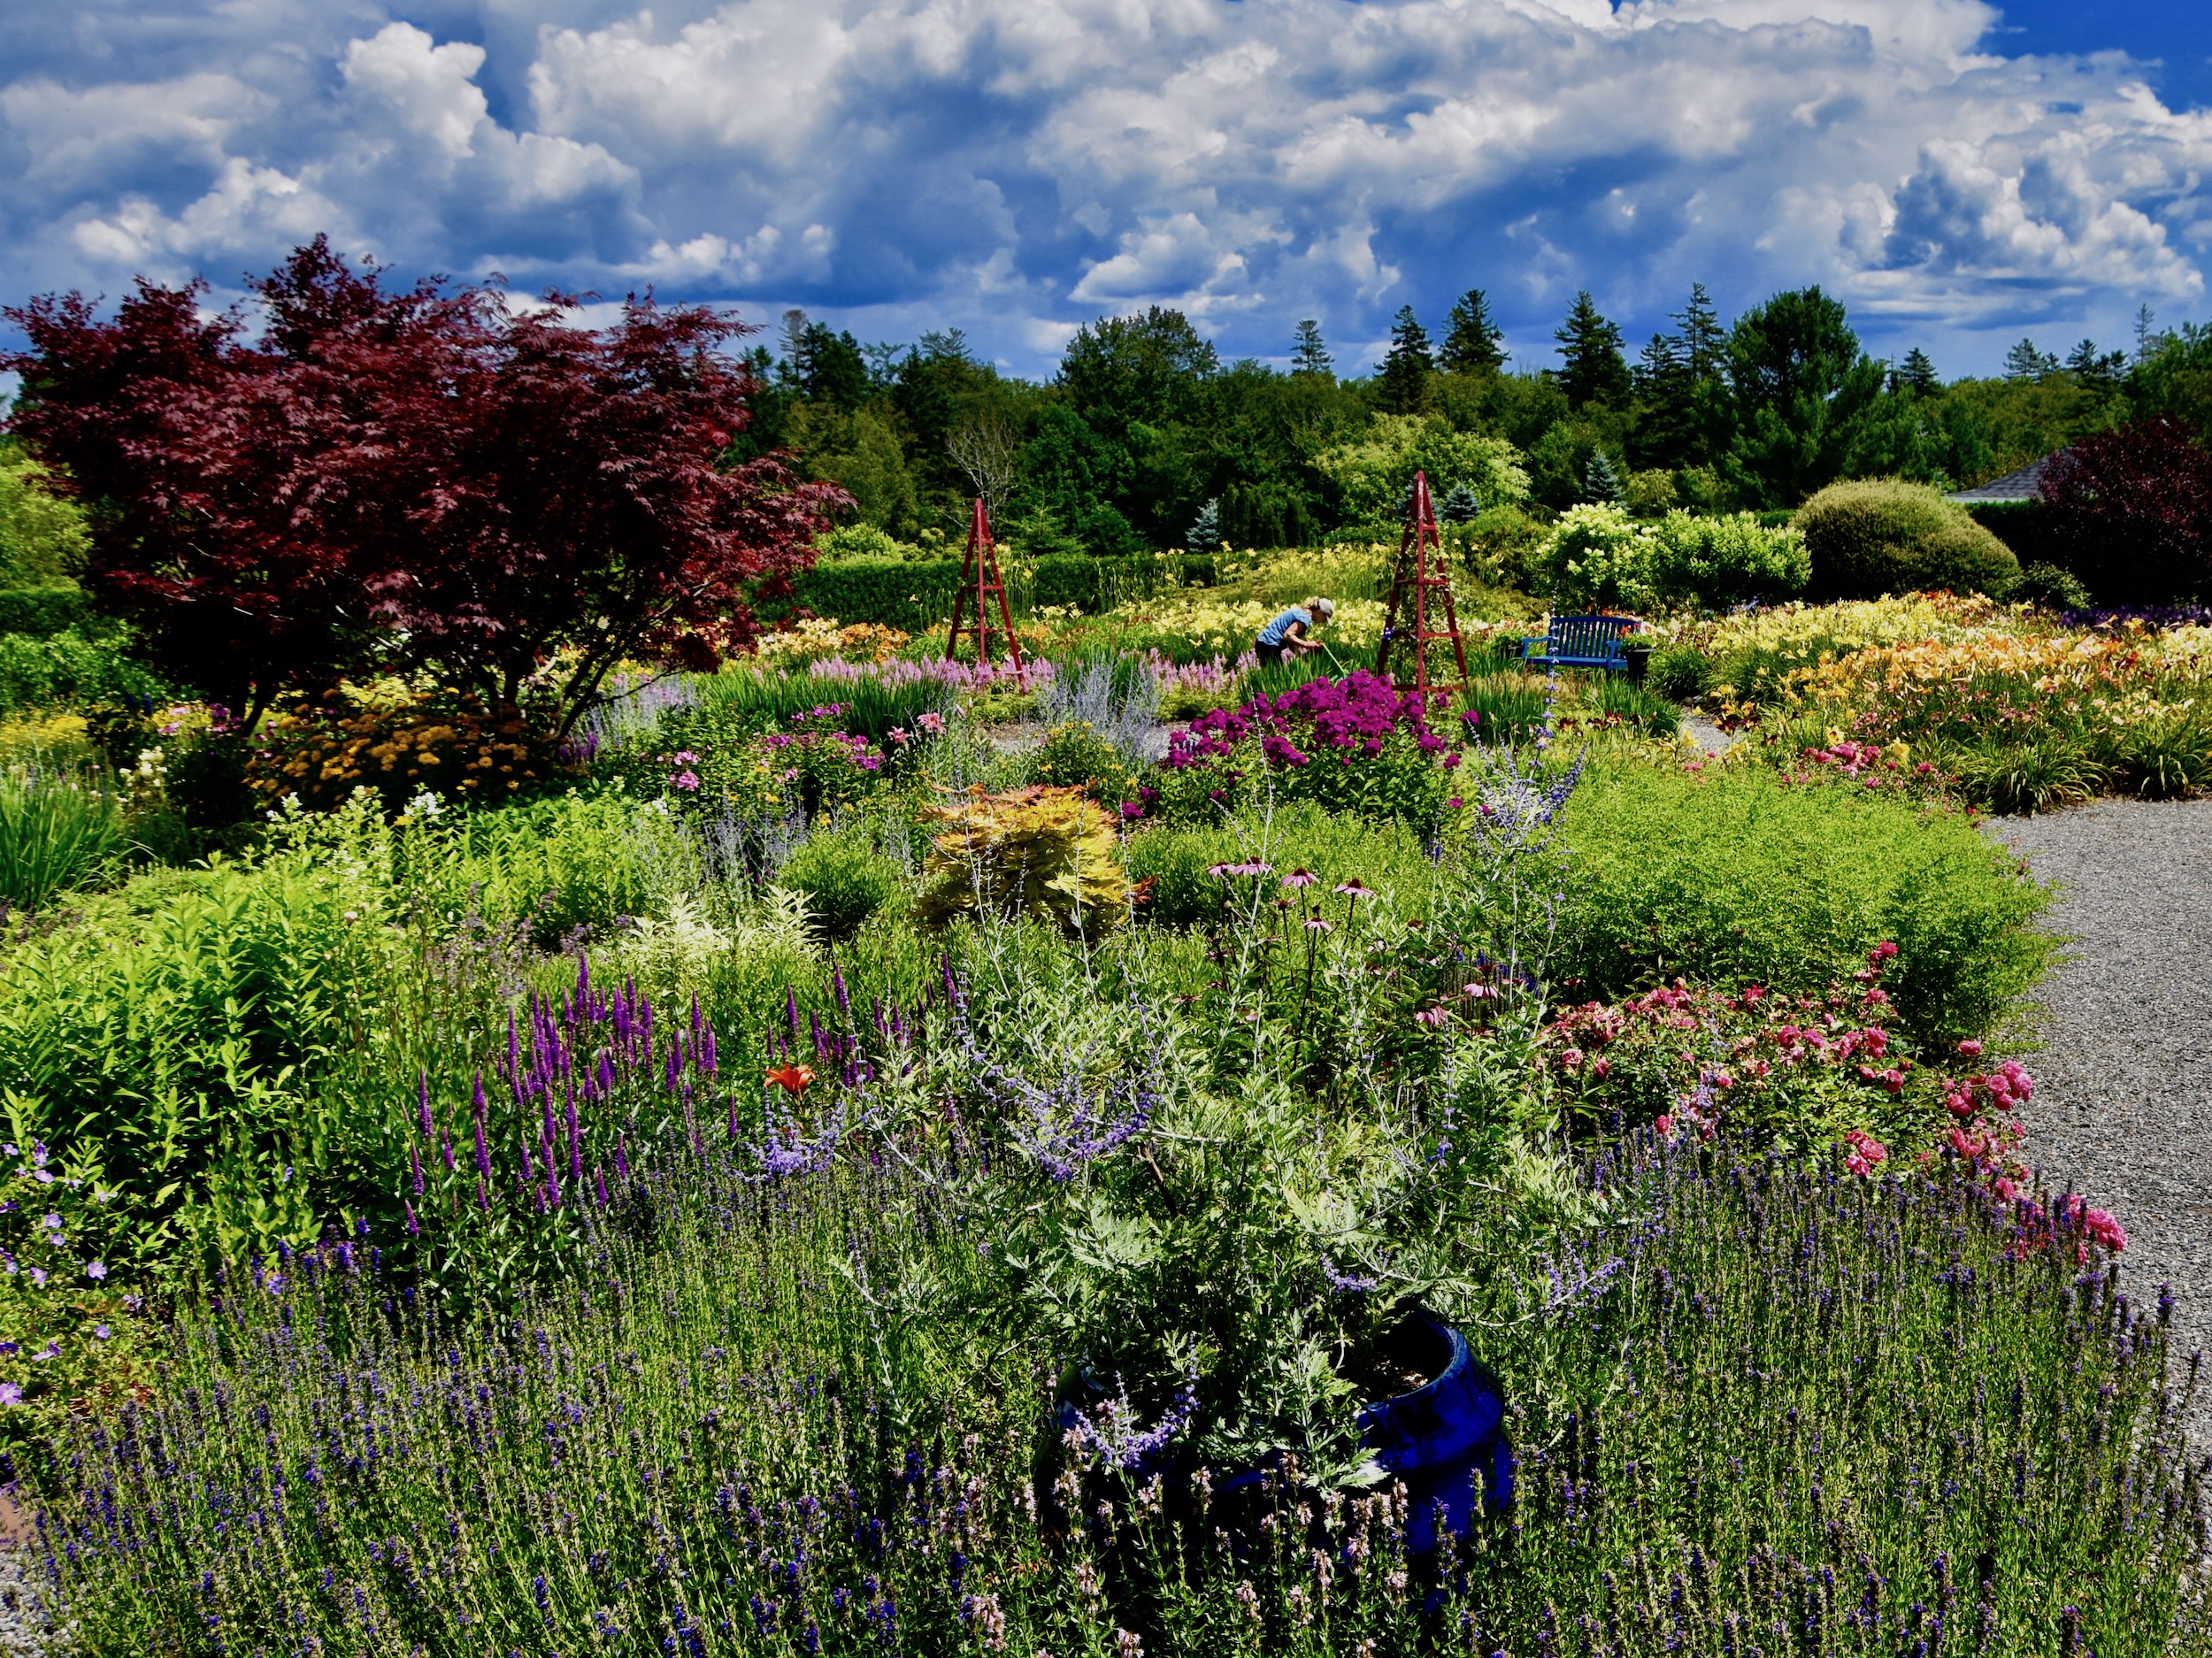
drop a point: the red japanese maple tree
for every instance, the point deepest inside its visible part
(2131, 513)
(411, 477)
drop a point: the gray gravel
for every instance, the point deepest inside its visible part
(23, 1630)
(2123, 1106)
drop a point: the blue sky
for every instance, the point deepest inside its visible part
(1958, 172)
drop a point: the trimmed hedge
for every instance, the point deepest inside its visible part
(918, 594)
(41, 612)
(1868, 536)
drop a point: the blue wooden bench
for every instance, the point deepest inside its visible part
(1582, 642)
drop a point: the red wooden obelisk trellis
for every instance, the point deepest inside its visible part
(979, 572)
(1421, 535)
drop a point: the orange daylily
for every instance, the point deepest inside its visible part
(791, 1078)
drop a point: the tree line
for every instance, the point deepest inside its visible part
(1143, 424)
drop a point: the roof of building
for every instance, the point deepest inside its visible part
(2024, 484)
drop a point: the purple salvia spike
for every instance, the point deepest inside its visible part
(694, 1021)
(424, 1084)
(791, 1008)
(606, 1073)
(552, 1185)
(599, 1184)
(583, 973)
(875, 1006)
(645, 1024)
(529, 1173)
(706, 1049)
(815, 1020)
(622, 1158)
(476, 1093)
(733, 1119)
(414, 1226)
(483, 1196)
(483, 1155)
(675, 1060)
(837, 985)
(414, 1165)
(445, 1149)
(952, 995)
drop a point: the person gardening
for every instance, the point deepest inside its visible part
(1291, 633)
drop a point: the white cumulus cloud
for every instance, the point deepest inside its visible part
(1015, 167)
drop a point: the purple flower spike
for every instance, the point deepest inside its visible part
(837, 984)
(414, 1167)
(423, 1088)
(414, 1226)
(706, 1049)
(791, 1008)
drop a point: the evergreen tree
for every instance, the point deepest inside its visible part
(2146, 332)
(1916, 374)
(1704, 343)
(1307, 354)
(1799, 379)
(1205, 530)
(2024, 362)
(1475, 344)
(1596, 371)
(1460, 506)
(1404, 380)
(1601, 481)
(2099, 371)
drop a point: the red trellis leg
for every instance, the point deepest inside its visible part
(978, 565)
(1421, 534)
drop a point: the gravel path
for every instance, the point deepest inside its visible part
(2124, 1110)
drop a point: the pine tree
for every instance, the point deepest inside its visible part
(2146, 332)
(1704, 343)
(1475, 344)
(1307, 354)
(1601, 481)
(1596, 372)
(2024, 362)
(1405, 373)
(1916, 374)
(1205, 530)
(2099, 371)
(1459, 506)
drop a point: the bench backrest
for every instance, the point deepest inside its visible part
(1592, 636)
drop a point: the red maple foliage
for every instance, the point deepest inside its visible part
(2131, 513)
(422, 477)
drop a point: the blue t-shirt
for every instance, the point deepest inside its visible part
(1278, 630)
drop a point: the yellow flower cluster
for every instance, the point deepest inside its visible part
(1840, 629)
(1978, 680)
(1230, 625)
(816, 638)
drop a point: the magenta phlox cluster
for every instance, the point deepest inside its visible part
(1346, 718)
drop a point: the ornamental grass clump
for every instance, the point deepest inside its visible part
(57, 832)
(1048, 853)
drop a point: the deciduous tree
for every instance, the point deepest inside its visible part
(418, 477)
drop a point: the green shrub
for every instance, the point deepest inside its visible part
(844, 879)
(41, 612)
(1076, 755)
(1710, 562)
(1596, 556)
(1681, 671)
(917, 595)
(56, 834)
(2051, 588)
(1735, 877)
(1869, 536)
(70, 670)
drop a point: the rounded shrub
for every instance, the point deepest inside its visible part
(1734, 876)
(1869, 536)
(843, 879)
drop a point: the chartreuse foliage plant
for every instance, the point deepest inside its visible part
(1734, 876)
